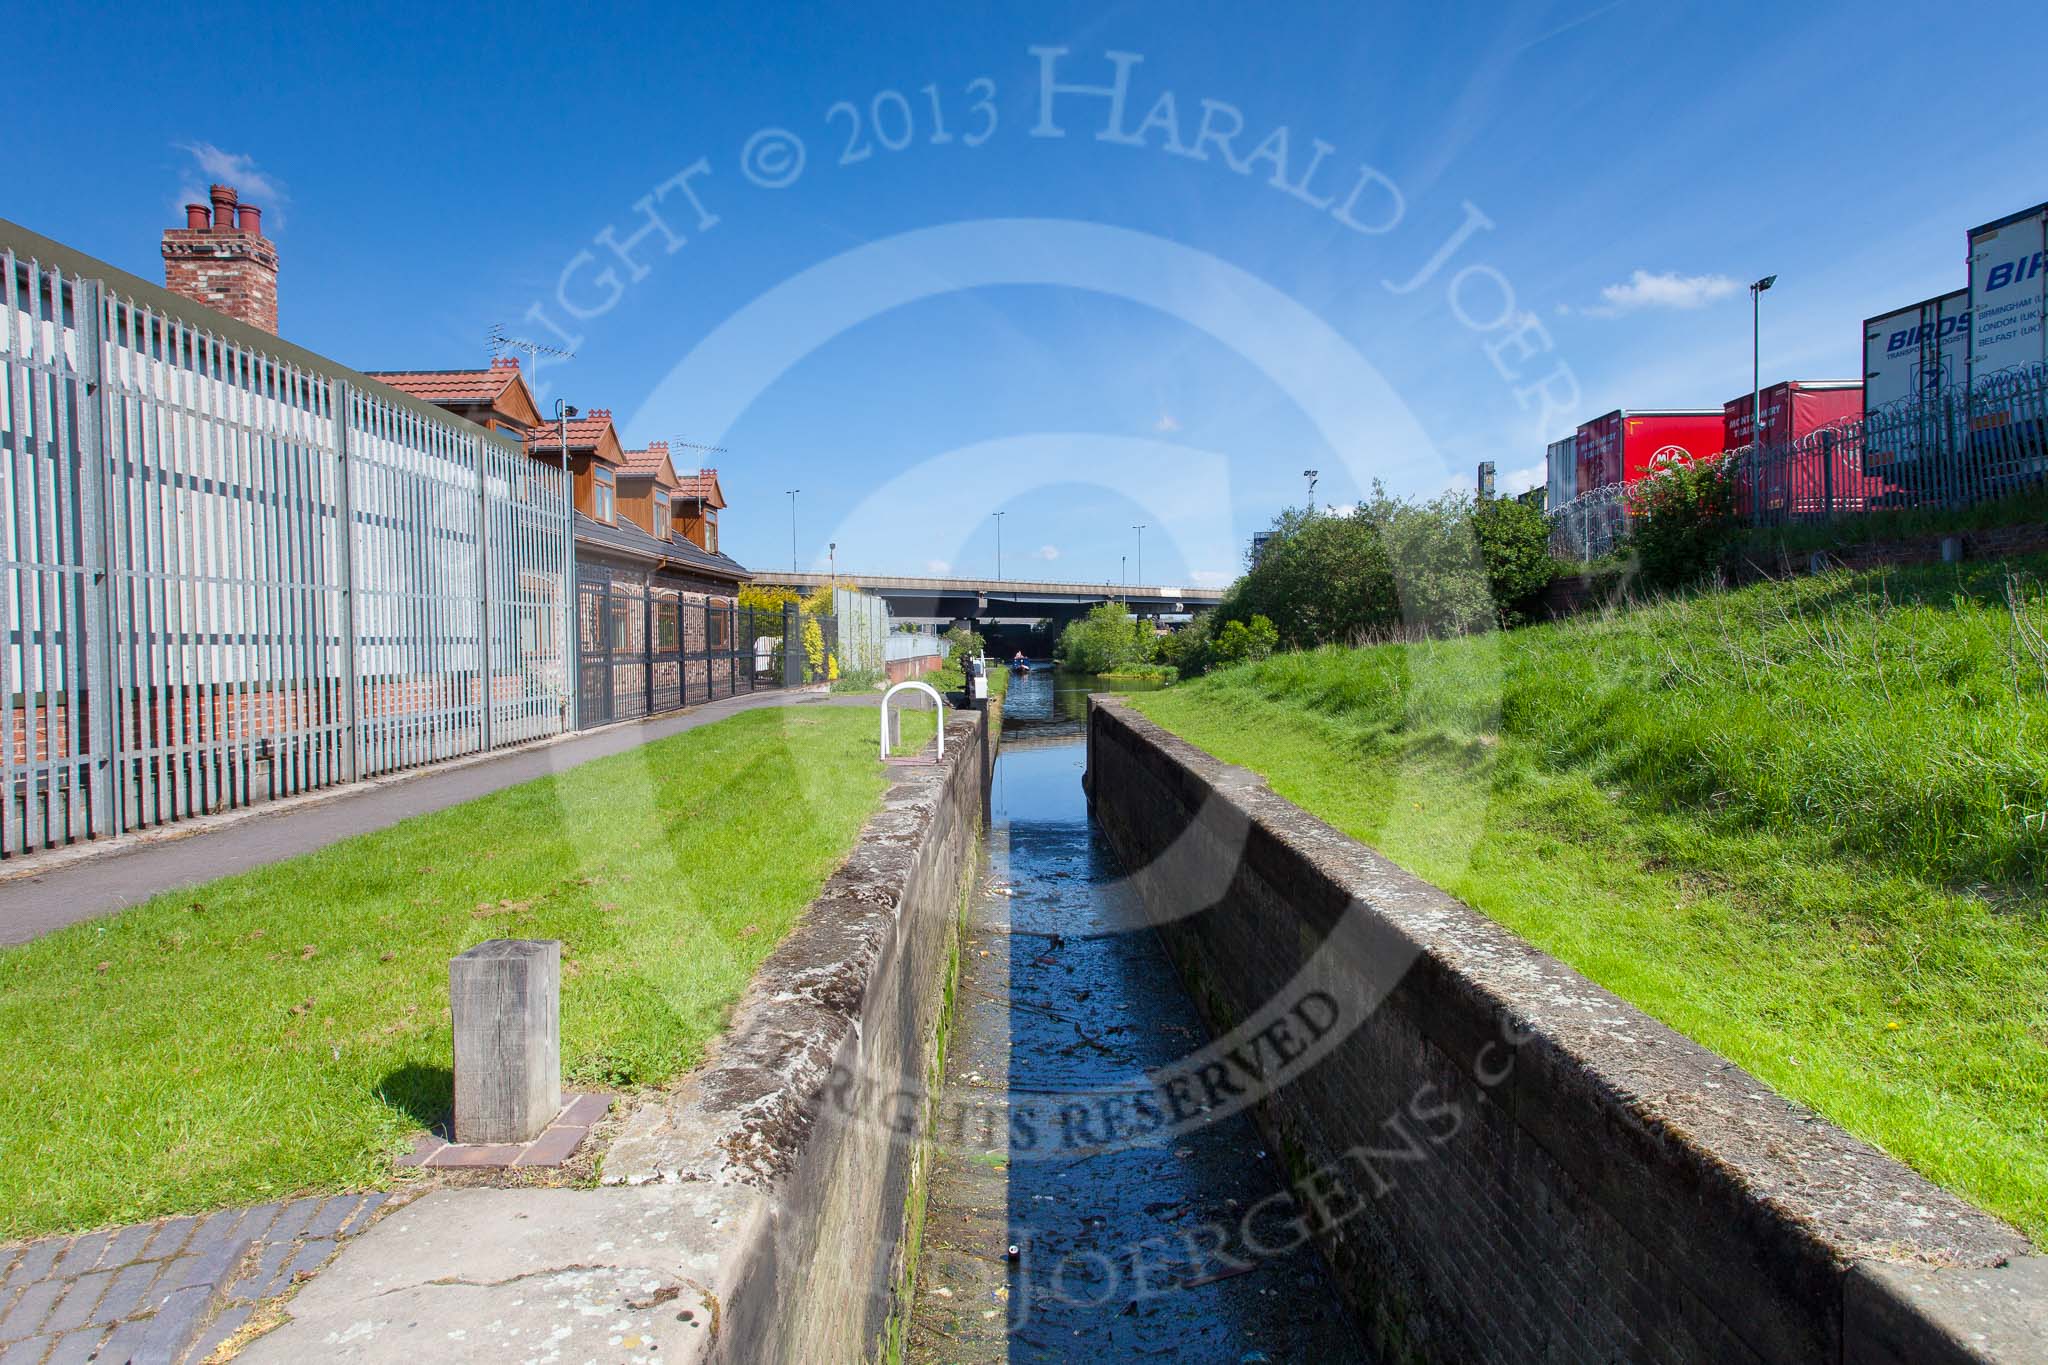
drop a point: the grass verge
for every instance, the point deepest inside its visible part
(287, 1029)
(1805, 823)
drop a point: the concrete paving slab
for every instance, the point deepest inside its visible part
(493, 1275)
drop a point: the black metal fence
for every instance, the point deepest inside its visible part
(645, 647)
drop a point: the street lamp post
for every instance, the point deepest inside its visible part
(1123, 572)
(571, 686)
(1311, 475)
(999, 545)
(832, 550)
(1756, 369)
(1140, 529)
(792, 527)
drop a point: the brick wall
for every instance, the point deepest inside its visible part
(221, 259)
(903, 670)
(1505, 1162)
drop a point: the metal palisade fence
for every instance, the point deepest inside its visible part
(233, 572)
(1948, 448)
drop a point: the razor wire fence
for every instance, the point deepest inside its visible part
(234, 572)
(1948, 448)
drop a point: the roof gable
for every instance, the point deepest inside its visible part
(651, 463)
(500, 388)
(703, 486)
(590, 434)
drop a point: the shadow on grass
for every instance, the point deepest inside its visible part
(424, 1094)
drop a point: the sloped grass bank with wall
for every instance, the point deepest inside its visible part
(1800, 822)
(1504, 1161)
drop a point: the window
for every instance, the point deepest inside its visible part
(718, 619)
(667, 627)
(711, 530)
(661, 519)
(604, 496)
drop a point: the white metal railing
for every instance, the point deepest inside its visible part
(232, 572)
(919, 646)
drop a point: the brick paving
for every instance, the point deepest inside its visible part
(555, 1145)
(164, 1292)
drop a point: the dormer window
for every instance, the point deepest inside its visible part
(661, 517)
(711, 529)
(604, 496)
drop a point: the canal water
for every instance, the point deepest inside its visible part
(1044, 1239)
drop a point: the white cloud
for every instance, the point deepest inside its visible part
(1046, 552)
(1210, 578)
(232, 168)
(1667, 289)
(1524, 479)
(937, 566)
(1167, 423)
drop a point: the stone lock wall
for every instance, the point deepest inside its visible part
(816, 1097)
(1503, 1161)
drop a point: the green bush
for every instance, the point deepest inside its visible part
(1189, 651)
(1683, 520)
(860, 680)
(1239, 642)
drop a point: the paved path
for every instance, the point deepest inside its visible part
(31, 906)
(166, 1291)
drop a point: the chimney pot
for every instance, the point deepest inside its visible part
(238, 275)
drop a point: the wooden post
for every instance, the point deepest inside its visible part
(506, 998)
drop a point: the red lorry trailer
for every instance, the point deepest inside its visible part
(1621, 446)
(1793, 410)
(1798, 470)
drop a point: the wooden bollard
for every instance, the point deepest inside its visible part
(506, 998)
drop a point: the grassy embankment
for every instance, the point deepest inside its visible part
(1805, 823)
(287, 1029)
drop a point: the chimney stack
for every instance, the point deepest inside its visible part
(221, 259)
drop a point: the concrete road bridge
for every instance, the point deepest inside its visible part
(1008, 601)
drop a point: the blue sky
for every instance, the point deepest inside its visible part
(1085, 334)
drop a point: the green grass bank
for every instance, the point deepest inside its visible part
(287, 1029)
(1804, 823)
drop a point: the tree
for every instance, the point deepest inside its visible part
(1104, 640)
(1320, 579)
(967, 642)
(1514, 543)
